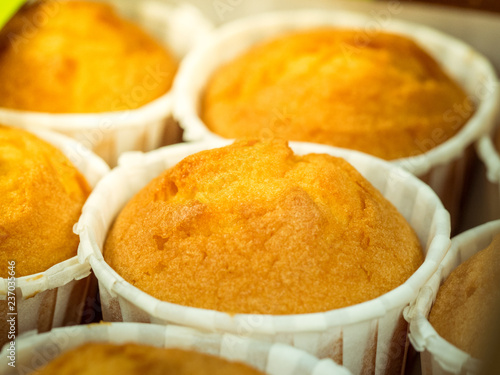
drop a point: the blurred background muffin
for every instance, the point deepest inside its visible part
(454, 320)
(41, 198)
(253, 228)
(139, 359)
(467, 303)
(151, 349)
(378, 93)
(79, 57)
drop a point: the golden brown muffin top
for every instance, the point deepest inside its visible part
(79, 57)
(41, 197)
(378, 93)
(253, 228)
(135, 359)
(463, 311)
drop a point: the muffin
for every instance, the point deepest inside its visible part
(378, 93)
(41, 197)
(135, 359)
(50, 62)
(464, 310)
(253, 228)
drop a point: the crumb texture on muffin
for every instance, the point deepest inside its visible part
(135, 359)
(41, 197)
(79, 57)
(378, 93)
(253, 228)
(464, 311)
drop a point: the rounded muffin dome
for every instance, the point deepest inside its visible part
(79, 57)
(253, 228)
(379, 93)
(41, 198)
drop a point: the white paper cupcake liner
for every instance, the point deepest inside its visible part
(438, 356)
(54, 297)
(109, 134)
(33, 351)
(443, 167)
(366, 338)
(490, 157)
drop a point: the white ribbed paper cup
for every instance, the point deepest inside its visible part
(490, 156)
(109, 134)
(366, 338)
(438, 356)
(443, 167)
(54, 297)
(34, 351)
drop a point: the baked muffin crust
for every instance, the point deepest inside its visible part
(41, 197)
(379, 93)
(253, 228)
(79, 57)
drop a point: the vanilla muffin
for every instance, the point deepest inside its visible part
(79, 57)
(379, 93)
(464, 310)
(41, 197)
(135, 359)
(253, 228)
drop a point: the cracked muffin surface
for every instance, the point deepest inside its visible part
(254, 228)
